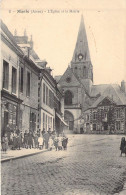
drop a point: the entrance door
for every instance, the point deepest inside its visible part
(105, 126)
(68, 117)
(71, 125)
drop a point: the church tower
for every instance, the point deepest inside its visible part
(81, 62)
(76, 82)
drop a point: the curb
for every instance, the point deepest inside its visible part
(25, 155)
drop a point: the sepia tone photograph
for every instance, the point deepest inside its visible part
(63, 97)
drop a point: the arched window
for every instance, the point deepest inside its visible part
(84, 71)
(68, 98)
(75, 70)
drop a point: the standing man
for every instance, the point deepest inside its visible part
(26, 139)
(30, 140)
(46, 139)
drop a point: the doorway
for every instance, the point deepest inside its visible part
(69, 119)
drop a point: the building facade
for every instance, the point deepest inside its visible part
(81, 96)
(51, 103)
(30, 98)
(28, 93)
(9, 85)
(107, 116)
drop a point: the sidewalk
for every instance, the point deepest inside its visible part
(15, 154)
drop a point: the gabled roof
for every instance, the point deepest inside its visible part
(69, 73)
(121, 95)
(100, 99)
(114, 93)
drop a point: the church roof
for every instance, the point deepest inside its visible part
(113, 91)
(81, 44)
(98, 89)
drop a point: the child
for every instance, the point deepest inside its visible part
(4, 143)
(56, 140)
(19, 141)
(60, 143)
(64, 142)
(40, 142)
(123, 146)
(50, 143)
(36, 141)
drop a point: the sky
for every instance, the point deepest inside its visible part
(54, 26)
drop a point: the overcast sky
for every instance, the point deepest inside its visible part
(55, 34)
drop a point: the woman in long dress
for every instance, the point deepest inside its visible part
(4, 143)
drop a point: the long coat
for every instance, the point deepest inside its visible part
(30, 139)
(4, 143)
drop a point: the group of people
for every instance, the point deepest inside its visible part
(45, 139)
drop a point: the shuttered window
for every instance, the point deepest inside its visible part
(5, 74)
(14, 79)
(32, 121)
(28, 84)
(21, 78)
(47, 96)
(43, 92)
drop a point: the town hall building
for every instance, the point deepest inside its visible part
(90, 107)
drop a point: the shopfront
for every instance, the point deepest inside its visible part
(60, 124)
(9, 112)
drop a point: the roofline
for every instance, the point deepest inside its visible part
(11, 37)
(28, 60)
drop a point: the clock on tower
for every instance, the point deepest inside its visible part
(80, 56)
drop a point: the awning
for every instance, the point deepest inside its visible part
(61, 119)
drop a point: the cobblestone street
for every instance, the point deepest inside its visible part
(91, 165)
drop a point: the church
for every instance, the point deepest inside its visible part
(89, 107)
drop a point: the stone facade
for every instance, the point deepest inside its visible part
(107, 117)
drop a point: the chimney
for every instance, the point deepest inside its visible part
(31, 42)
(123, 86)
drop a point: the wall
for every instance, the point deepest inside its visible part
(49, 112)
(12, 58)
(29, 104)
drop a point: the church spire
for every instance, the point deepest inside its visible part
(81, 61)
(81, 52)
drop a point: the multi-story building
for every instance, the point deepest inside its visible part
(51, 104)
(30, 97)
(108, 113)
(44, 102)
(9, 84)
